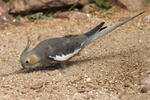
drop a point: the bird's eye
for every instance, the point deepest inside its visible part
(27, 61)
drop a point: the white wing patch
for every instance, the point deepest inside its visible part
(65, 57)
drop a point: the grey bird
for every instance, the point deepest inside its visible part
(62, 49)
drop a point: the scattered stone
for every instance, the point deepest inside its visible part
(145, 82)
(147, 18)
(37, 86)
(81, 90)
(88, 79)
(145, 89)
(90, 8)
(77, 96)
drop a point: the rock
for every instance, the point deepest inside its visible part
(145, 89)
(37, 86)
(5, 18)
(83, 2)
(147, 19)
(90, 8)
(3, 7)
(145, 82)
(88, 79)
(133, 5)
(25, 6)
(77, 96)
(72, 15)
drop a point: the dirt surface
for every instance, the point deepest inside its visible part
(107, 69)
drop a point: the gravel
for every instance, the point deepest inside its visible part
(107, 69)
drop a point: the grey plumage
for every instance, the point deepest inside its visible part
(62, 49)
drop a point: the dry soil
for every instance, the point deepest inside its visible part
(107, 69)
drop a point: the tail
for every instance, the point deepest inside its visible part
(102, 32)
(94, 30)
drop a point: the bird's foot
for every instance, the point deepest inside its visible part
(62, 67)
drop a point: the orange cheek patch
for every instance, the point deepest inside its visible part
(32, 59)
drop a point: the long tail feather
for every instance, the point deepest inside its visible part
(94, 30)
(104, 31)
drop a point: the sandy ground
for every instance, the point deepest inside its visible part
(107, 69)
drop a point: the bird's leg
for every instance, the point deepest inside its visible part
(63, 65)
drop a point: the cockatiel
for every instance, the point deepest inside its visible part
(63, 48)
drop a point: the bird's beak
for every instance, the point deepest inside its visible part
(25, 66)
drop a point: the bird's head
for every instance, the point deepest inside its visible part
(28, 58)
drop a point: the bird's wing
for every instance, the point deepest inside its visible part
(67, 46)
(64, 48)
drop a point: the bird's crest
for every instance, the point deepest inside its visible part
(27, 46)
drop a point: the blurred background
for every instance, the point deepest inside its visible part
(41, 9)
